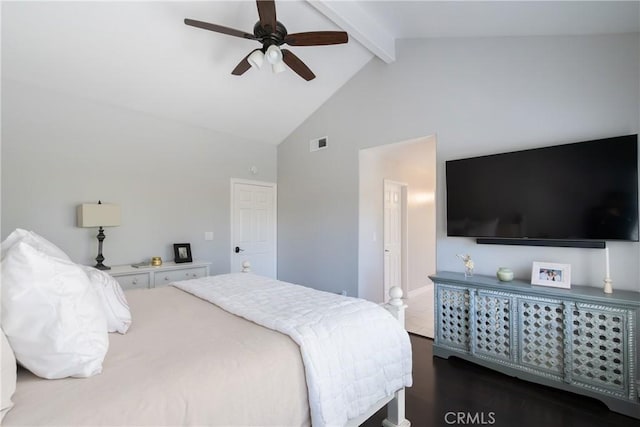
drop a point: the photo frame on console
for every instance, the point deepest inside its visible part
(551, 274)
(182, 252)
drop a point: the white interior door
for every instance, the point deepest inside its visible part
(393, 242)
(253, 226)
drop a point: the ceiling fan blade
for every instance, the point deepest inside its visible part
(297, 65)
(243, 65)
(267, 13)
(219, 29)
(316, 38)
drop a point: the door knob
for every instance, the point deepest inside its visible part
(238, 250)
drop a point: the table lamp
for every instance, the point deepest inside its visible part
(99, 215)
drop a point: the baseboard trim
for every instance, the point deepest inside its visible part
(421, 290)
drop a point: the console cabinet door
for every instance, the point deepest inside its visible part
(541, 336)
(492, 325)
(600, 357)
(453, 314)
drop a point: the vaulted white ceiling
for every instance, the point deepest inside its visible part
(141, 56)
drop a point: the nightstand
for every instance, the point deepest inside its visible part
(152, 277)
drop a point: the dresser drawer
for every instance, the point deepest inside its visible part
(133, 281)
(162, 278)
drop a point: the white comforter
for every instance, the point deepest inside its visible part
(354, 352)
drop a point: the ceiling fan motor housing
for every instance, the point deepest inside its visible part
(268, 38)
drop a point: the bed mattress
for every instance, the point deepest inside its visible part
(184, 361)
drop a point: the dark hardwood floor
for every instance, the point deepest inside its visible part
(445, 386)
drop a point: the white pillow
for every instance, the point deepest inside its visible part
(9, 375)
(53, 319)
(113, 300)
(34, 240)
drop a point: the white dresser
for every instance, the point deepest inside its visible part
(151, 277)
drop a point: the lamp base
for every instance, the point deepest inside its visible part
(100, 257)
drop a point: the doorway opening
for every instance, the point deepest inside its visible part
(412, 164)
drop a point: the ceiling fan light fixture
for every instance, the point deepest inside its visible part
(256, 59)
(272, 34)
(278, 67)
(274, 54)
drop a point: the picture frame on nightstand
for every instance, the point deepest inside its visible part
(551, 274)
(182, 252)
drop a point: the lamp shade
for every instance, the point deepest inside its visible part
(278, 67)
(256, 59)
(98, 215)
(273, 54)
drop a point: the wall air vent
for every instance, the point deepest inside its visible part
(318, 144)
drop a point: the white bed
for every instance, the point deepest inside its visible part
(153, 375)
(185, 361)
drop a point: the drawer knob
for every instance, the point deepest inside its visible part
(134, 281)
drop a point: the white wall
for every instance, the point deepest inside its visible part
(171, 180)
(413, 163)
(479, 96)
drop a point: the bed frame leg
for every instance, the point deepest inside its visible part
(395, 412)
(395, 408)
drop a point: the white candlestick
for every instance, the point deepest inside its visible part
(606, 260)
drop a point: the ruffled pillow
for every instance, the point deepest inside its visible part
(9, 375)
(34, 240)
(51, 316)
(113, 300)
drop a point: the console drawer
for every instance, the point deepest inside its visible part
(133, 281)
(162, 278)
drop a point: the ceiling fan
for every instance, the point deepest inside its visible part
(272, 34)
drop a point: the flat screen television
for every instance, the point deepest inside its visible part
(585, 191)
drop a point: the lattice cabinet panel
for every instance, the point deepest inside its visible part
(541, 335)
(598, 347)
(453, 317)
(492, 324)
(580, 339)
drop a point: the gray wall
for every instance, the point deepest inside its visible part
(171, 180)
(479, 96)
